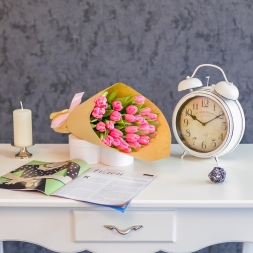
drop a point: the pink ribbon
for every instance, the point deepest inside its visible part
(61, 119)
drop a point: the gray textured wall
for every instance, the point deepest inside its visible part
(49, 50)
(23, 247)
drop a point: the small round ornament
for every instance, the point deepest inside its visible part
(217, 175)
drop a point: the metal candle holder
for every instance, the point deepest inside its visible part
(23, 153)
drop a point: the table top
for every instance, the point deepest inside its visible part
(181, 183)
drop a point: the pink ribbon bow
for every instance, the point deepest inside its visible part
(61, 119)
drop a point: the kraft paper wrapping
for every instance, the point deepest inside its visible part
(78, 123)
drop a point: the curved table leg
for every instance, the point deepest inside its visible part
(1, 247)
(247, 247)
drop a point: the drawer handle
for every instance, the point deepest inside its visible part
(126, 231)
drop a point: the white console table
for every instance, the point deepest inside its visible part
(181, 211)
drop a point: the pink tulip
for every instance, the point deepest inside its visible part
(110, 124)
(115, 133)
(144, 140)
(144, 128)
(101, 127)
(151, 128)
(131, 129)
(98, 112)
(101, 102)
(140, 119)
(132, 137)
(123, 142)
(152, 116)
(154, 134)
(117, 105)
(115, 116)
(145, 111)
(139, 99)
(123, 145)
(131, 109)
(130, 118)
(107, 141)
(115, 142)
(135, 144)
(127, 150)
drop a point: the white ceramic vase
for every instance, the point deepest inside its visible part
(114, 158)
(81, 149)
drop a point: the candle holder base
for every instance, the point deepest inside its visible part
(23, 153)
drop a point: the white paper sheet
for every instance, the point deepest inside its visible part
(104, 186)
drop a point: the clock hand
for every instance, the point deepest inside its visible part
(195, 118)
(214, 118)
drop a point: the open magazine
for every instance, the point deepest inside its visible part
(74, 179)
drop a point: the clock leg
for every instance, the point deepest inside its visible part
(182, 156)
(247, 247)
(217, 161)
(1, 247)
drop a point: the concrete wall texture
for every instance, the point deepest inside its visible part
(50, 50)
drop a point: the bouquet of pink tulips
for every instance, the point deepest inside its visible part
(123, 123)
(114, 119)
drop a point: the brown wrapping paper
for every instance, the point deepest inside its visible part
(78, 123)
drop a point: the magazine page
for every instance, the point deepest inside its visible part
(104, 186)
(46, 177)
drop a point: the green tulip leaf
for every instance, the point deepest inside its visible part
(112, 96)
(104, 94)
(101, 136)
(141, 133)
(107, 113)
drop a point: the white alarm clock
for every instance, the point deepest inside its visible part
(208, 121)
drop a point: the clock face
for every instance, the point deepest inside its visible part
(202, 124)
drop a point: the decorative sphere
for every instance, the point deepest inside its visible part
(217, 175)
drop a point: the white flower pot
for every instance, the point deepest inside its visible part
(81, 149)
(114, 158)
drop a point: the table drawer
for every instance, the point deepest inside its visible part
(157, 226)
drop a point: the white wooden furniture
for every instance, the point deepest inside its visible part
(181, 211)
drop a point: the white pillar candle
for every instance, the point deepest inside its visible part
(22, 126)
